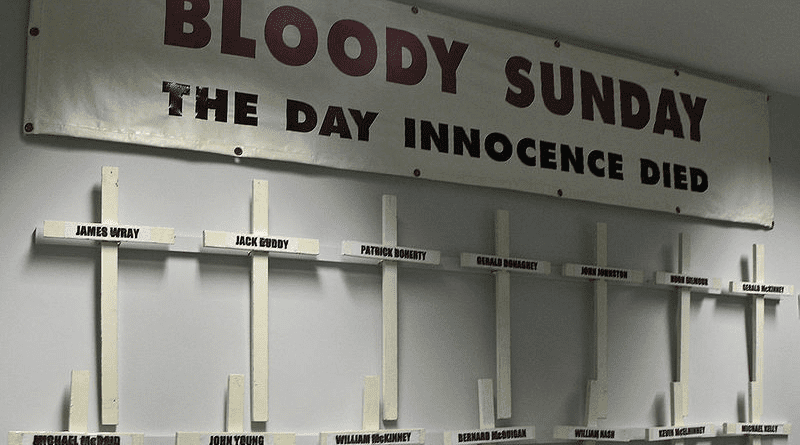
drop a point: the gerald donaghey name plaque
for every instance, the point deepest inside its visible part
(70, 438)
(492, 262)
(235, 438)
(598, 434)
(108, 232)
(605, 273)
(497, 435)
(383, 437)
(391, 253)
(758, 429)
(255, 242)
(681, 432)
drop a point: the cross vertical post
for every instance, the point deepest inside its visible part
(756, 387)
(597, 403)
(259, 311)
(109, 252)
(680, 389)
(79, 402)
(389, 310)
(371, 408)
(503, 317)
(234, 413)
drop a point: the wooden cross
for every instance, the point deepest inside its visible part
(259, 244)
(501, 265)
(758, 290)
(234, 424)
(370, 432)
(597, 388)
(487, 432)
(78, 422)
(110, 233)
(389, 253)
(685, 283)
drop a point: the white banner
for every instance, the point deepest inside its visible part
(371, 85)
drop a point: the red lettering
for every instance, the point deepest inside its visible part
(277, 21)
(338, 35)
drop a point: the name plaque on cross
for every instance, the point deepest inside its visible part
(235, 438)
(108, 232)
(712, 285)
(598, 434)
(382, 437)
(493, 262)
(69, 438)
(750, 288)
(392, 253)
(681, 432)
(234, 424)
(496, 435)
(593, 272)
(78, 423)
(251, 242)
(758, 429)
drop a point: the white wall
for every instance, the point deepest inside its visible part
(184, 317)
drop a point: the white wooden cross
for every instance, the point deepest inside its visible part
(370, 432)
(685, 283)
(234, 424)
(110, 233)
(389, 253)
(501, 265)
(78, 422)
(259, 244)
(758, 289)
(487, 433)
(597, 388)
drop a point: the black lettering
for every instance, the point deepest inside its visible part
(293, 110)
(547, 155)
(472, 143)
(650, 173)
(176, 92)
(335, 122)
(245, 108)
(428, 134)
(203, 103)
(490, 145)
(363, 122)
(522, 151)
(569, 158)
